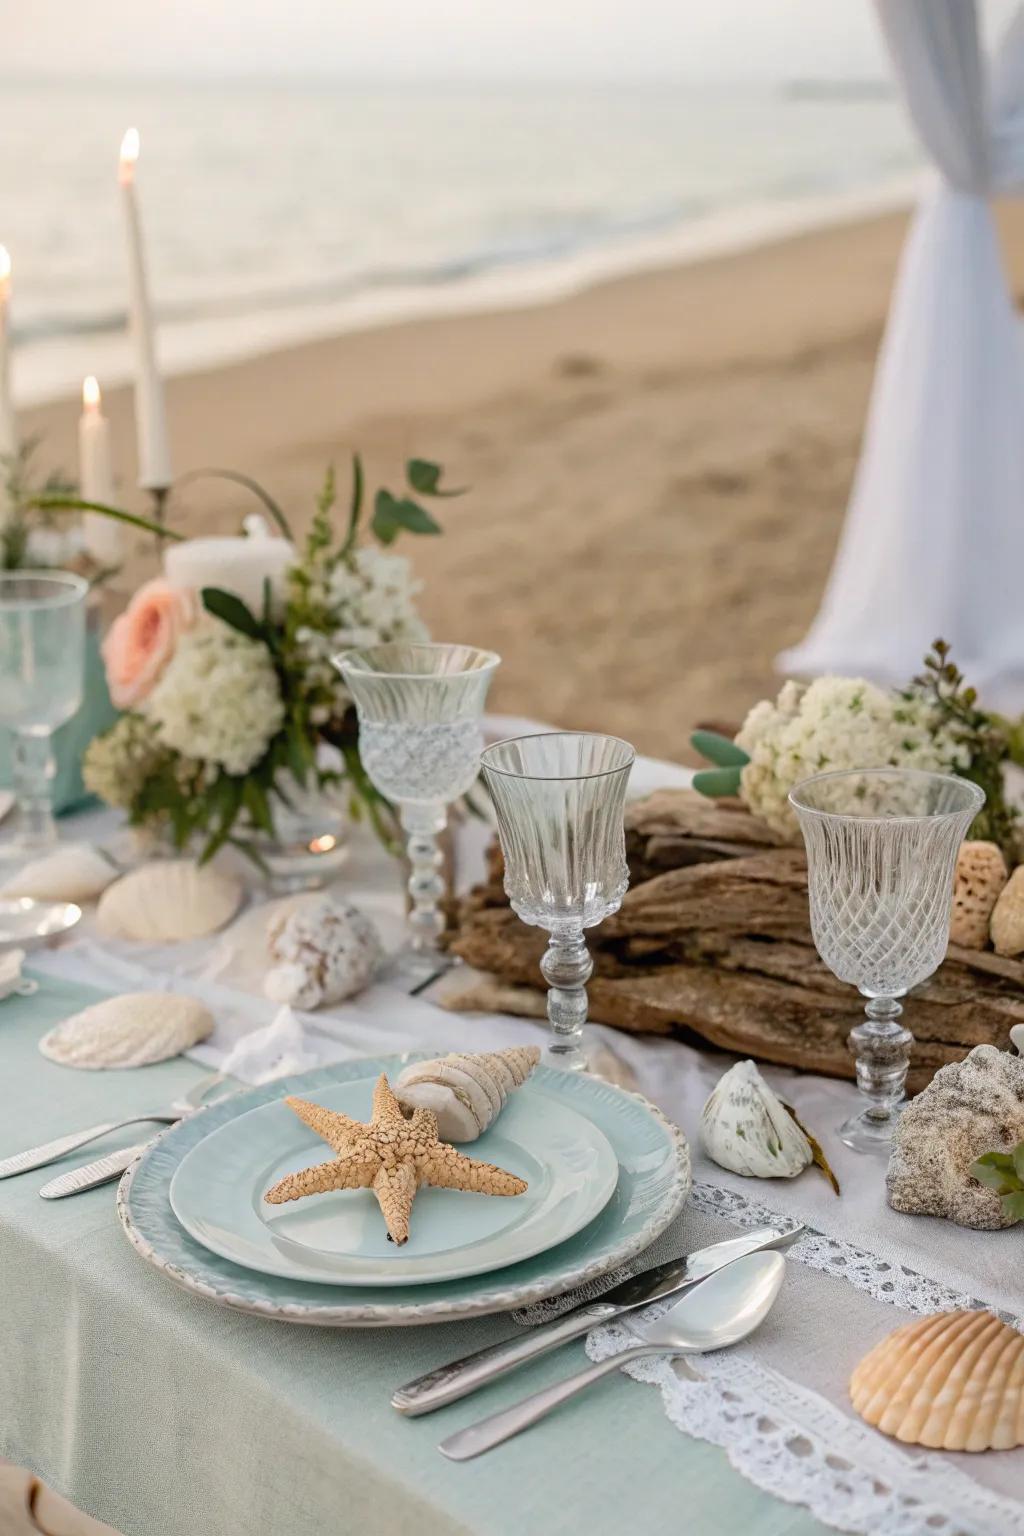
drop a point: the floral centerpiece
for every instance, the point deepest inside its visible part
(934, 724)
(231, 703)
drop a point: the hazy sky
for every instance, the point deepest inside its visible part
(474, 39)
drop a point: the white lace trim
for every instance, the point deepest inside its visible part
(786, 1440)
(899, 1286)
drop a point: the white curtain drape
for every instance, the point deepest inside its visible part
(933, 543)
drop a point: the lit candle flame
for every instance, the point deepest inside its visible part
(130, 145)
(5, 268)
(91, 394)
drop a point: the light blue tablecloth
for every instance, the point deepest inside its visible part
(165, 1416)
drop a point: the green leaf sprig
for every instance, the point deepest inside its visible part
(729, 761)
(1003, 1172)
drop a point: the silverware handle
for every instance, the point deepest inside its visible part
(38, 1157)
(458, 1378)
(91, 1175)
(484, 1436)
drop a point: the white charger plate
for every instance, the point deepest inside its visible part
(339, 1238)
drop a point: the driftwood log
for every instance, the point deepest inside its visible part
(713, 941)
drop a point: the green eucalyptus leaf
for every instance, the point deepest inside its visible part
(228, 607)
(425, 478)
(391, 516)
(1018, 1160)
(716, 782)
(1013, 1205)
(719, 749)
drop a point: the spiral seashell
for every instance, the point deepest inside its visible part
(953, 1382)
(466, 1091)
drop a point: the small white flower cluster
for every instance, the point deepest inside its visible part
(836, 723)
(372, 596)
(218, 699)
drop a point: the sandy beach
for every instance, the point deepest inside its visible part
(658, 466)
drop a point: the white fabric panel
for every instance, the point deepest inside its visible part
(933, 542)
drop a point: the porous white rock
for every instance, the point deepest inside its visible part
(969, 1107)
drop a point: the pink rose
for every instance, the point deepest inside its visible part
(141, 642)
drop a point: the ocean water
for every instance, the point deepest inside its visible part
(275, 213)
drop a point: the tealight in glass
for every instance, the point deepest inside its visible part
(560, 800)
(420, 711)
(882, 845)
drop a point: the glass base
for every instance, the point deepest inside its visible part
(412, 970)
(567, 1057)
(866, 1133)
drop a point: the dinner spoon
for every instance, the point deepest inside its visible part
(720, 1311)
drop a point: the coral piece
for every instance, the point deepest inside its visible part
(325, 950)
(1007, 924)
(953, 1381)
(746, 1128)
(166, 901)
(969, 1108)
(466, 1092)
(75, 872)
(133, 1030)
(392, 1156)
(980, 876)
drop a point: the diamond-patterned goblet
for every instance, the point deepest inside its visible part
(559, 799)
(420, 711)
(881, 856)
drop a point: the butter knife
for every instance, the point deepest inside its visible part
(102, 1171)
(448, 1383)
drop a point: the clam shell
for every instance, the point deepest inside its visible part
(77, 872)
(167, 901)
(746, 1128)
(466, 1090)
(128, 1031)
(953, 1381)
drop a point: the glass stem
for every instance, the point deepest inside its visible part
(567, 967)
(881, 1046)
(34, 771)
(423, 824)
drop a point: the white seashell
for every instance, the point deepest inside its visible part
(167, 901)
(1017, 1038)
(326, 950)
(467, 1091)
(746, 1128)
(77, 872)
(128, 1031)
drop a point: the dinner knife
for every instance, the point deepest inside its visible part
(101, 1171)
(448, 1383)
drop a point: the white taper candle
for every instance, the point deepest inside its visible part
(8, 426)
(103, 537)
(150, 415)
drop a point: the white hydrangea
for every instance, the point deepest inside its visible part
(836, 723)
(373, 597)
(218, 699)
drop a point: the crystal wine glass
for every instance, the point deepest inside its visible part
(881, 855)
(42, 672)
(420, 711)
(559, 799)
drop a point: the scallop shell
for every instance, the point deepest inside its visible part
(167, 901)
(953, 1381)
(326, 950)
(746, 1128)
(466, 1091)
(77, 872)
(132, 1030)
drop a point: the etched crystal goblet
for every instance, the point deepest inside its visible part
(881, 856)
(559, 799)
(420, 711)
(42, 673)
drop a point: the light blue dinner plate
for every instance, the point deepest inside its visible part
(653, 1183)
(339, 1238)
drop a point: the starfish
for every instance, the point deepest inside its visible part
(392, 1156)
